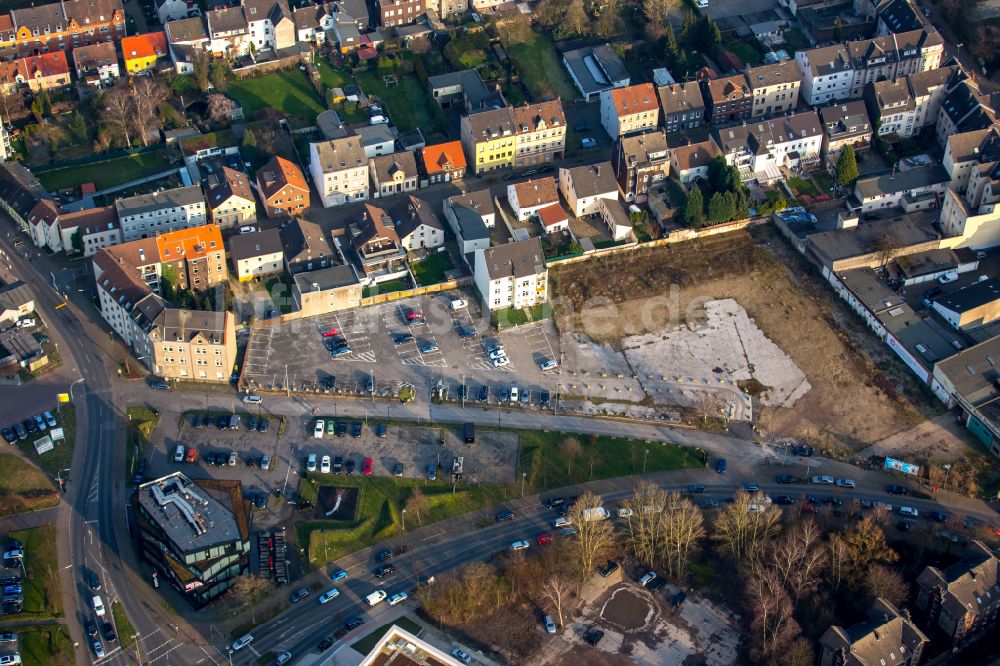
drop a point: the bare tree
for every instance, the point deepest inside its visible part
(772, 623)
(684, 529)
(883, 581)
(744, 525)
(147, 95)
(570, 448)
(417, 504)
(656, 12)
(708, 405)
(643, 522)
(118, 112)
(219, 108)
(251, 590)
(837, 553)
(557, 592)
(798, 558)
(866, 545)
(575, 19)
(420, 45)
(513, 29)
(594, 535)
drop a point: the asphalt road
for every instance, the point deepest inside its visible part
(303, 625)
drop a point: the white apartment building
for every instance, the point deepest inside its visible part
(759, 149)
(826, 74)
(146, 215)
(339, 169)
(512, 275)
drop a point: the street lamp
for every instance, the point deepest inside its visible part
(644, 455)
(404, 521)
(524, 475)
(946, 474)
(60, 480)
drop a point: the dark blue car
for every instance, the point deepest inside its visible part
(720, 466)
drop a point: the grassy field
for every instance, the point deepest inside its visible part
(379, 511)
(431, 269)
(105, 174)
(541, 69)
(334, 78)
(61, 457)
(142, 421)
(42, 596)
(408, 102)
(543, 458)
(23, 487)
(45, 646)
(289, 92)
(365, 645)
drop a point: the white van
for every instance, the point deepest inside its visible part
(98, 605)
(458, 303)
(908, 511)
(252, 399)
(376, 597)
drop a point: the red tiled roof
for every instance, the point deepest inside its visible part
(552, 215)
(44, 65)
(443, 156)
(634, 99)
(277, 173)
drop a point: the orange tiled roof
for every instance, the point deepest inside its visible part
(634, 99)
(144, 46)
(551, 215)
(531, 193)
(191, 243)
(439, 157)
(277, 173)
(6, 23)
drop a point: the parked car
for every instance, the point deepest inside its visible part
(108, 631)
(647, 578)
(324, 465)
(366, 467)
(588, 142)
(544, 538)
(356, 429)
(720, 466)
(610, 568)
(49, 419)
(784, 478)
(896, 490)
(519, 545)
(329, 595)
(823, 480)
(428, 347)
(397, 598)
(461, 655)
(431, 472)
(504, 516)
(383, 555)
(383, 571)
(311, 463)
(550, 626)
(845, 483)
(318, 429)
(299, 594)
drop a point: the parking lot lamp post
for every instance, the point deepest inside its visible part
(403, 515)
(558, 392)
(947, 472)
(230, 652)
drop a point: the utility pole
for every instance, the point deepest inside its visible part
(524, 475)
(288, 394)
(644, 455)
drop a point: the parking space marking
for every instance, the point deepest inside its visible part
(409, 352)
(538, 344)
(348, 328)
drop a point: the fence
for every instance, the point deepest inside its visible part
(269, 66)
(447, 285)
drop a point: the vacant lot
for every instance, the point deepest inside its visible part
(289, 92)
(646, 290)
(407, 101)
(541, 69)
(23, 487)
(105, 174)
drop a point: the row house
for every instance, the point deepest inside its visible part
(886, 636)
(89, 230)
(970, 208)
(585, 186)
(826, 74)
(630, 110)
(690, 162)
(143, 52)
(256, 255)
(976, 150)
(915, 189)
(448, 8)
(903, 107)
(196, 255)
(845, 124)
(728, 99)
(47, 71)
(377, 245)
(639, 162)
(376, 140)
(339, 169)
(185, 38)
(471, 216)
(393, 174)
(964, 109)
(198, 346)
(528, 197)
(962, 600)
(269, 24)
(228, 32)
(230, 199)
(443, 162)
(464, 87)
(525, 135)
(682, 106)
(417, 225)
(96, 64)
(312, 23)
(775, 88)
(283, 189)
(760, 149)
(306, 248)
(60, 26)
(146, 215)
(394, 13)
(512, 275)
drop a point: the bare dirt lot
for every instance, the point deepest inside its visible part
(851, 403)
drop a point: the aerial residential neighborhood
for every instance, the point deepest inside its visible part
(476, 332)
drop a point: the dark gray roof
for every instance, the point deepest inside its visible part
(230, 19)
(14, 295)
(845, 119)
(680, 98)
(246, 246)
(20, 189)
(902, 181)
(596, 67)
(186, 30)
(593, 179)
(334, 277)
(885, 635)
(518, 259)
(971, 297)
(186, 515)
(412, 212)
(374, 134)
(469, 210)
(305, 241)
(146, 203)
(969, 586)
(385, 166)
(472, 86)
(900, 16)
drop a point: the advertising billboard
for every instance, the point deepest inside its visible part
(900, 466)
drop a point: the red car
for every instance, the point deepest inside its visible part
(544, 538)
(329, 334)
(413, 315)
(366, 467)
(808, 508)
(192, 456)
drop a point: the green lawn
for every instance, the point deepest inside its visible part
(24, 487)
(542, 69)
(366, 644)
(289, 92)
(332, 77)
(542, 457)
(45, 646)
(384, 288)
(408, 102)
(105, 174)
(142, 421)
(801, 186)
(744, 51)
(379, 511)
(431, 269)
(61, 457)
(42, 596)
(824, 181)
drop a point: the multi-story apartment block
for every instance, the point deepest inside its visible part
(775, 88)
(257, 255)
(46, 71)
(269, 24)
(826, 74)
(728, 99)
(145, 215)
(888, 635)
(282, 187)
(964, 108)
(682, 106)
(488, 139)
(306, 247)
(845, 123)
(964, 153)
(512, 275)
(393, 13)
(96, 64)
(539, 132)
(60, 26)
(630, 110)
(640, 161)
(87, 231)
(230, 198)
(196, 255)
(377, 245)
(972, 164)
(964, 599)
(764, 147)
(196, 534)
(903, 107)
(339, 169)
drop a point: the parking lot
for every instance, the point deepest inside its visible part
(421, 341)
